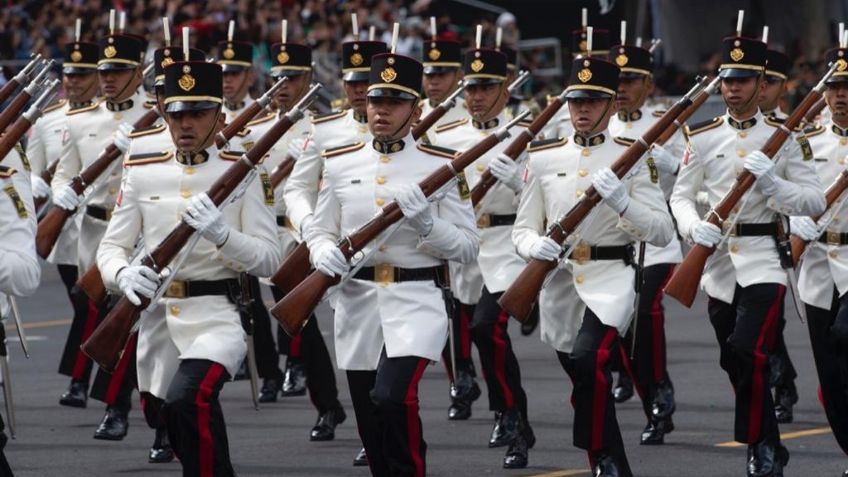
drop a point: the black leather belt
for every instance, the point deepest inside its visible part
(282, 221)
(754, 230)
(100, 213)
(188, 289)
(834, 238)
(583, 253)
(494, 220)
(384, 273)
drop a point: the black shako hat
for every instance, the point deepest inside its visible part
(634, 61)
(163, 57)
(235, 56)
(484, 66)
(356, 58)
(742, 57)
(592, 78)
(441, 56)
(290, 59)
(120, 52)
(193, 86)
(80, 58)
(395, 76)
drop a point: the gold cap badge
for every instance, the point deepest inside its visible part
(434, 54)
(477, 65)
(76, 56)
(186, 81)
(110, 51)
(584, 75)
(356, 59)
(621, 60)
(167, 61)
(388, 75)
(841, 64)
(737, 54)
(229, 53)
(283, 57)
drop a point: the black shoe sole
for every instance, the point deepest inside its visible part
(77, 404)
(107, 437)
(292, 393)
(360, 463)
(520, 465)
(322, 438)
(161, 460)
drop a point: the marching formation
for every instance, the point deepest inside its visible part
(428, 211)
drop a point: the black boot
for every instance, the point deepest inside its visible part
(623, 389)
(663, 405)
(654, 433)
(361, 459)
(516, 456)
(325, 427)
(604, 465)
(766, 459)
(76, 395)
(784, 398)
(114, 425)
(464, 390)
(294, 383)
(270, 388)
(160, 451)
(507, 428)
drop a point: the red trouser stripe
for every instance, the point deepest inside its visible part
(294, 346)
(765, 339)
(499, 363)
(602, 389)
(464, 332)
(413, 423)
(658, 324)
(90, 323)
(116, 381)
(205, 451)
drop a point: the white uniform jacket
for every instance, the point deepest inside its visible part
(456, 113)
(559, 172)
(408, 317)
(714, 157)
(233, 113)
(20, 271)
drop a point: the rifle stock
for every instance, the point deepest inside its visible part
(425, 123)
(296, 307)
(282, 171)
(817, 108)
(683, 285)
(831, 195)
(519, 298)
(678, 123)
(19, 79)
(16, 131)
(91, 283)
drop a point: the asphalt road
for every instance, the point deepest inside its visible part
(57, 441)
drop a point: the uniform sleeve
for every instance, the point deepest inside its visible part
(254, 245)
(36, 149)
(122, 232)
(70, 162)
(646, 217)
(530, 217)
(20, 271)
(454, 235)
(326, 228)
(301, 190)
(684, 196)
(799, 190)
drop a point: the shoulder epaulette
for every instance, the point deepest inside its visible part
(438, 151)
(704, 126)
(814, 130)
(150, 104)
(148, 158)
(84, 109)
(243, 133)
(263, 119)
(777, 122)
(231, 155)
(658, 113)
(624, 141)
(6, 171)
(147, 131)
(56, 106)
(546, 144)
(323, 118)
(451, 125)
(335, 151)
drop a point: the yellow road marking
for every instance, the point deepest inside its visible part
(786, 435)
(41, 324)
(562, 473)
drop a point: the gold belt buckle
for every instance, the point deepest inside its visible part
(833, 238)
(728, 228)
(109, 214)
(384, 273)
(176, 289)
(484, 221)
(581, 253)
(288, 223)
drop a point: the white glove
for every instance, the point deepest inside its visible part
(804, 227)
(296, 147)
(762, 167)
(39, 187)
(705, 233)
(122, 137)
(416, 208)
(664, 160)
(67, 199)
(330, 261)
(202, 215)
(611, 189)
(136, 280)
(545, 249)
(507, 172)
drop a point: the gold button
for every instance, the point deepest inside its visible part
(381, 180)
(112, 191)
(175, 310)
(734, 248)
(382, 248)
(628, 125)
(586, 152)
(841, 162)
(481, 168)
(833, 254)
(188, 170)
(185, 193)
(741, 153)
(843, 141)
(743, 134)
(380, 201)
(384, 159)
(583, 172)
(578, 279)
(579, 193)
(118, 116)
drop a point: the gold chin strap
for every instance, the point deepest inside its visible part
(127, 84)
(601, 118)
(500, 90)
(414, 104)
(212, 129)
(754, 95)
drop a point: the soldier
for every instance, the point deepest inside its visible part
(193, 341)
(649, 364)
(442, 74)
(578, 317)
(777, 73)
(397, 294)
(79, 78)
(236, 57)
(483, 281)
(743, 278)
(822, 281)
(87, 132)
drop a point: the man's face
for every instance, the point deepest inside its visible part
(836, 96)
(390, 118)
(485, 101)
(632, 93)
(772, 91)
(237, 84)
(291, 91)
(356, 91)
(194, 130)
(737, 92)
(118, 85)
(80, 88)
(438, 86)
(591, 115)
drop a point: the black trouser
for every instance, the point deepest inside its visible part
(461, 326)
(195, 421)
(69, 275)
(5, 469)
(649, 355)
(831, 365)
(115, 388)
(267, 358)
(783, 372)
(311, 349)
(500, 366)
(74, 362)
(588, 365)
(746, 331)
